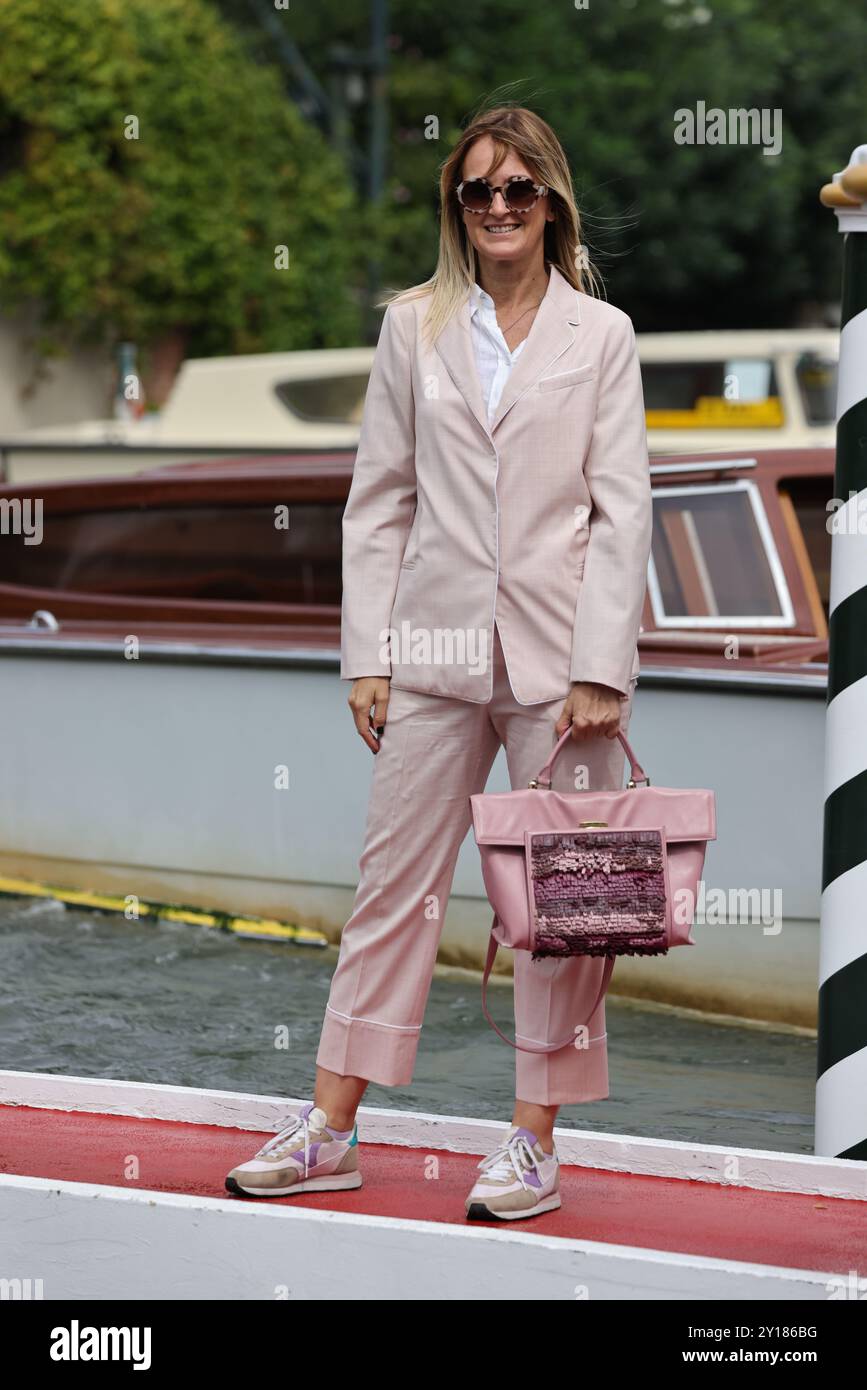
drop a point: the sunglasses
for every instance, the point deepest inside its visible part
(520, 194)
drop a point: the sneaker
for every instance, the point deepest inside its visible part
(304, 1157)
(518, 1179)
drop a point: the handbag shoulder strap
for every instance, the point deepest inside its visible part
(636, 771)
(536, 1047)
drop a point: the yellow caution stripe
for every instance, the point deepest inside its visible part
(134, 907)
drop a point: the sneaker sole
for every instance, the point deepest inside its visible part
(478, 1211)
(338, 1183)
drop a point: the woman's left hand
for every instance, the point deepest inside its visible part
(592, 710)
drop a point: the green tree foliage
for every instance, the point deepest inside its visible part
(172, 232)
(685, 236)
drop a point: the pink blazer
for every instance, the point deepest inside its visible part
(543, 518)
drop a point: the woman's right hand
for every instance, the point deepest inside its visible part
(367, 692)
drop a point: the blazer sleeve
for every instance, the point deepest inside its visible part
(617, 473)
(380, 507)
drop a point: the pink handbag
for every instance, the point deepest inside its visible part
(603, 873)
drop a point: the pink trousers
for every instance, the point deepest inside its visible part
(434, 753)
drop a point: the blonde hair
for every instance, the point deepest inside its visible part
(511, 128)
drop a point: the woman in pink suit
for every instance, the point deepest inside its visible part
(495, 547)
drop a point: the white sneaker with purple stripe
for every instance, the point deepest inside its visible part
(518, 1179)
(305, 1156)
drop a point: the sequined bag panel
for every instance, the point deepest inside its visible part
(598, 892)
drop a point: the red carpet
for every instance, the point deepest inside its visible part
(793, 1230)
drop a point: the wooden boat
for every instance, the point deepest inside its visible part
(757, 389)
(641, 1218)
(169, 644)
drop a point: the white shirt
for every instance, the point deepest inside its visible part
(493, 358)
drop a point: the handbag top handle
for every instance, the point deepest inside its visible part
(636, 771)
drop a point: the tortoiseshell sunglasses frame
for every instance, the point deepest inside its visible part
(540, 189)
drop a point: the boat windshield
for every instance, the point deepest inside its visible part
(328, 400)
(719, 393)
(228, 553)
(817, 383)
(713, 560)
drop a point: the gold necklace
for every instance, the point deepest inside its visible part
(520, 316)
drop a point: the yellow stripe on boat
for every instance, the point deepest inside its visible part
(256, 928)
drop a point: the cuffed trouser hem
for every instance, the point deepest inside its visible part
(374, 1051)
(571, 1076)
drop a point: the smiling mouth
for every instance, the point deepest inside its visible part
(504, 229)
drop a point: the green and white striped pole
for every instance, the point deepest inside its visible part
(841, 1085)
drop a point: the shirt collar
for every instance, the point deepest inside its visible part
(480, 299)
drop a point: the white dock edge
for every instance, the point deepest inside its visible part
(86, 1241)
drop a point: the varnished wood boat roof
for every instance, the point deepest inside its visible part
(298, 634)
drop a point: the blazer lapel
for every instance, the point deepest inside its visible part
(550, 335)
(455, 347)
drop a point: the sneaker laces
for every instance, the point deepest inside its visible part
(289, 1138)
(510, 1160)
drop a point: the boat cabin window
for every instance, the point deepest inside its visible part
(713, 559)
(715, 394)
(817, 383)
(227, 553)
(332, 400)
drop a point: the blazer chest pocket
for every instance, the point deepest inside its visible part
(573, 378)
